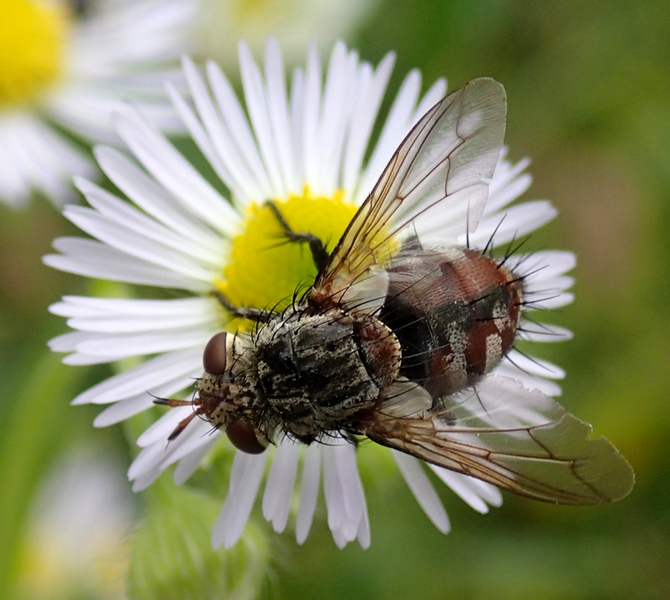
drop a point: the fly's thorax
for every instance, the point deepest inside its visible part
(456, 313)
(314, 369)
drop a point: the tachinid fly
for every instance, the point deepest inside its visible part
(398, 345)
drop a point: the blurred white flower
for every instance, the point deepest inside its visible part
(78, 528)
(307, 148)
(63, 70)
(294, 23)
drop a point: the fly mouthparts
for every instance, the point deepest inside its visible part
(181, 426)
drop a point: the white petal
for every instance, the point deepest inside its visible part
(123, 239)
(311, 111)
(143, 482)
(332, 126)
(280, 483)
(435, 93)
(245, 479)
(543, 332)
(156, 201)
(108, 315)
(544, 279)
(177, 366)
(296, 116)
(190, 463)
(370, 92)
(99, 261)
(198, 133)
(510, 224)
(214, 139)
(163, 427)
(532, 382)
(147, 461)
(121, 346)
(120, 411)
(279, 115)
(333, 492)
(114, 211)
(423, 490)
(91, 307)
(343, 489)
(309, 491)
(158, 456)
(197, 434)
(236, 122)
(535, 365)
(256, 101)
(363, 533)
(36, 155)
(174, 172)
(131, 406)
(469, 490)
(394, 130)
(507, 183)
(544, 266)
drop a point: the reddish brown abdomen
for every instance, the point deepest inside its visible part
(455, 313)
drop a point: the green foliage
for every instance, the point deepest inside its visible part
(172, 556)
(34, 429)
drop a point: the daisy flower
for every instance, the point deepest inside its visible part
(57, 68)
(309, 149)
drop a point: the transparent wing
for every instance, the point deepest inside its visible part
(517, 439)
(437, 182)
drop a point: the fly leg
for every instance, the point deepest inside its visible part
(184, 422)
(316, 247)
(253, 314)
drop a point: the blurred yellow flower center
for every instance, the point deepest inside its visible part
(32, 35)
(250, 8)
(265, 269)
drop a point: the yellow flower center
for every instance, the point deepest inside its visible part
(264, 268)
(32, 35)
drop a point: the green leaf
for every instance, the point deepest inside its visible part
(172, 556)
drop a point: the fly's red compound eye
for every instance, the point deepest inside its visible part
(242, 436)
(214, 356)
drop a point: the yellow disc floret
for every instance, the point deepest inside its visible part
(264, 269)
(32, 35)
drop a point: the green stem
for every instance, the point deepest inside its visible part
(34, 430)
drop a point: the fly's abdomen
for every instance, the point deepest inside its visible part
(455, 314)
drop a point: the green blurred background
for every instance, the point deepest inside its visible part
(588, 86)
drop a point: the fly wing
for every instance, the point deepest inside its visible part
(437, 181)
(507, 435)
